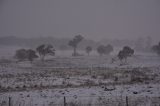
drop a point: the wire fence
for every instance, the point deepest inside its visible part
(81, 101)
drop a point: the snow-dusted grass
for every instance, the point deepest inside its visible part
(37, 78)
(141, 95)
(82, 80)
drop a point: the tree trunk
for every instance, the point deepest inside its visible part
(74, 52)
(42, 57)
(125, 60)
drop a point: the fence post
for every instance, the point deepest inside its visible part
(127, 101)
(9, 101)
(65, 101)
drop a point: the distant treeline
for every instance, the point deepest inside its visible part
(59, 43)
(62, 43)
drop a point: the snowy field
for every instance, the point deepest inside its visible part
(80, 81)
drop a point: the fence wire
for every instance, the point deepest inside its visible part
(80, 101)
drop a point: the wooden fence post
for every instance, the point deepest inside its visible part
(65, 101)
(127, 101)
(9, 101)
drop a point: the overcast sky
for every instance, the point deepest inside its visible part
(95, 19)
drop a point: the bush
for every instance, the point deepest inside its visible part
(125, 53)
(156, 49)
(23, 54)
(104, 50)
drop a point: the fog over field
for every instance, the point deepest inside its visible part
(93, 19)
(79, 53)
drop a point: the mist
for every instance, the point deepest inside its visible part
(79, 52)
(94, 19)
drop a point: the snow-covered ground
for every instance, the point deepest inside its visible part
(138, 95)
(84, 81)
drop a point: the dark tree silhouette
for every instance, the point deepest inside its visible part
(88, 49)
(101, 50)
(104, 50)
(128, 51)
(148, 43)
(108, 49)
(125, 53)
(44, 50)
(23, 54)
(31, 55)
(156, 49)
(121, 55)
(74, 43)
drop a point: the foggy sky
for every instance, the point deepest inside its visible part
(95, 19)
